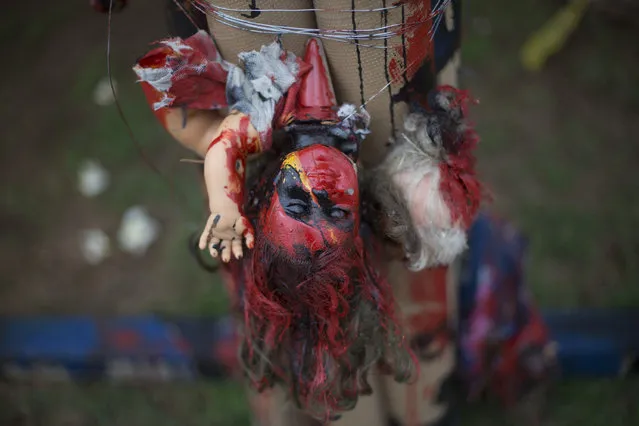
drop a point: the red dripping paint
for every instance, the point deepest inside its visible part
(417, 44)
(153, 96)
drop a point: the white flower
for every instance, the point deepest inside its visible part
(103, 94)
(95, 246)
(92, 178)
(137, 231)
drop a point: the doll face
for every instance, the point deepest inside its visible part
(315, 204)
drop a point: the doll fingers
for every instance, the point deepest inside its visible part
(250, 239)
(226, 251)
(244, 229)
(206, 234)
(214, 247)
(236, 248)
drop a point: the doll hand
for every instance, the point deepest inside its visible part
(224, 234)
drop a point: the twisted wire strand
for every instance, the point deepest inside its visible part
(349, 36)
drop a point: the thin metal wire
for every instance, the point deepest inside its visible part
(346, 36)
(126, 123)
(349, 36)
(363, 106)
(212, 6)
(187, 14)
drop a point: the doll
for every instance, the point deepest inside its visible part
(305, 259)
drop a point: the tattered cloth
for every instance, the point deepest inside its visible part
(504, 343)
(191, 74)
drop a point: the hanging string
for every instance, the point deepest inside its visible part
(187, 14)
(126, 123)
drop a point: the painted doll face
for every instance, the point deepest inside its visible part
(315, 204)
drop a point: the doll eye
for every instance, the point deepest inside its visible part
(296, 202)
(337, 213)
(297, 209)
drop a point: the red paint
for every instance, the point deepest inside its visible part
(125, 339)
(316, 99)
(459, 185)
(395, 69)
(153, 96)
(320, 168)
(417, 33)
(156, 58)
(239, 144)
(429, 285)
(238, 138)
(198, 76)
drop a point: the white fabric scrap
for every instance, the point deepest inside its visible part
(103, 93)
(95, 246)
(93, 179)
(138, 231)
(260, 82)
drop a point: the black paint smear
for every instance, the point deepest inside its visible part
(359, 56)
(255, 11)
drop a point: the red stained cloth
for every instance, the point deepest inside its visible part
(190, 73)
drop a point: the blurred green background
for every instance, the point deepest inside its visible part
(559, 151)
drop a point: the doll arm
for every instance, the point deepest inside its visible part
(224, 175)
(224, 143)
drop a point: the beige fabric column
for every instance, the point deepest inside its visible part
(415, 404)
(231, 41)
(361, 71)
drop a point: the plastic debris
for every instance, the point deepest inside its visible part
(552, 36)
(137, 231)
(103, 94)
(93, 179)
(95, 246)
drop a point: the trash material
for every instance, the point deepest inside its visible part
(550, 38)
(138, 231)
(93, 179)
(103, 93)
(95, 246)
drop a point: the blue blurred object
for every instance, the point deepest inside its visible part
(587, 342)
(149, 348)
(602, 343)
(495, 306)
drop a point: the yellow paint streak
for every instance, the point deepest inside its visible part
(293, 161)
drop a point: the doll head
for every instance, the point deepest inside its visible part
(318, 315)
(315, 203)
